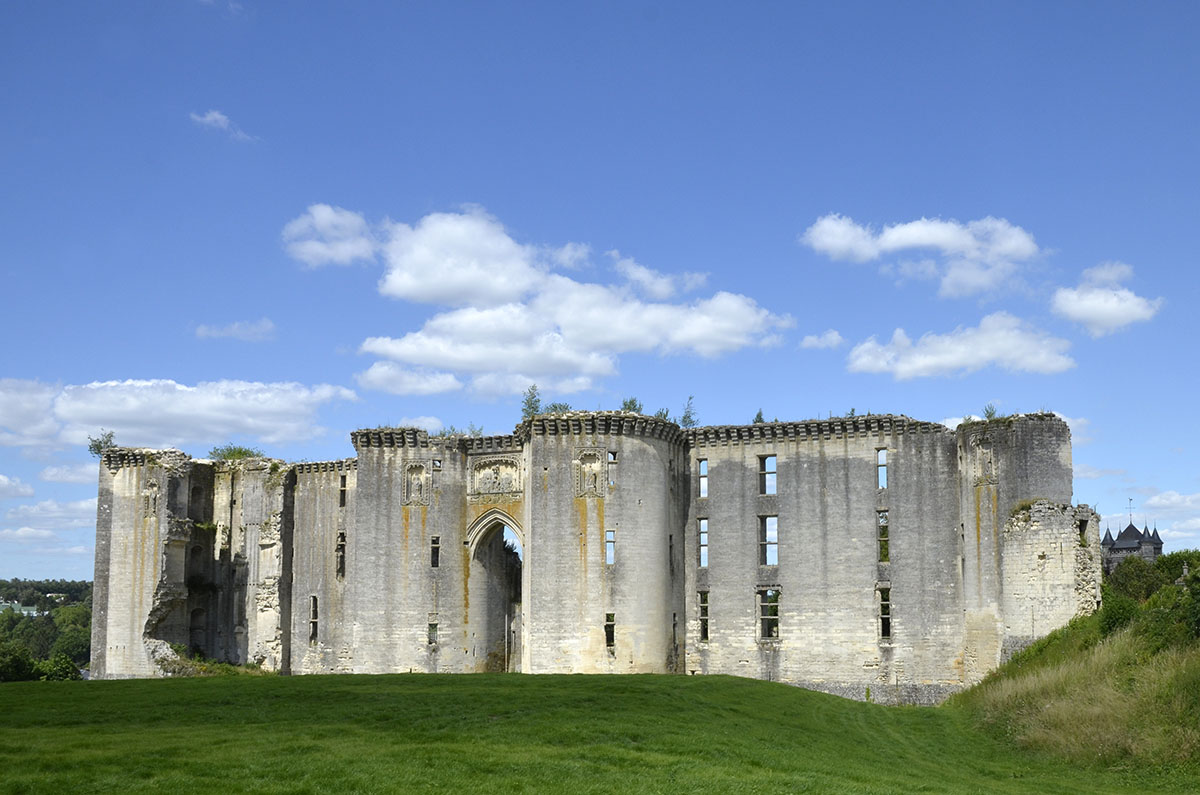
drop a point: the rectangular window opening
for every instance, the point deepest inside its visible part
(768, 614)
(703, 467)
(1083, 532)
(885, 613)
(881, 467)
(432, 637)
(610, 632)
(671, 553)
(340, 556)
(703, 542)
(768, 540)
(610, 546)
(766, 474)
(703, 615)
(435, 551)
(312, 619)
(342, 492)
(881, 533)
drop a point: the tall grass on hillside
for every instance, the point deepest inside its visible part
(1128, 697)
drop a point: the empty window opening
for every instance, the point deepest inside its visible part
(703, 466)
(437, 465)
(612, 468)
(885, 613)
(703, 542)
(612, 457)
(312, 619)
(768, 614)
(766, 474)
(768, 540)
(610, 632)
(1083, 532)
(881, 467)
(340, 556)
(342, 492)
(703, 615)
(610, 546)
(432, 637)
(671, 553)
(881, 533)
(435, 551)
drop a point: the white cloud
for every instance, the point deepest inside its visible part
(1087, 472)
(244, 330)
(13, 487)
(430, 424)
(954, 422)
(70, 473)
(571, 256)
(216, 120)
(391, 377)
(1173, 503)
(976, 257)
(1000, 340)
(55, 515)
(1080, 428)
(160, 413)
(459, 259)
(652, 283)
(1100, 304)
(26, 534)
(325, 235)
(26, 417)
(830, 339)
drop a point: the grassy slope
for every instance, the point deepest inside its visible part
(488, 733)
(1132, 698)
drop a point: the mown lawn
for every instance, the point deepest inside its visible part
(509, 733)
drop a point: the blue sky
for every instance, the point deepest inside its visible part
(275, 223)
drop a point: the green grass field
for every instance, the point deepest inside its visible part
(511, 733)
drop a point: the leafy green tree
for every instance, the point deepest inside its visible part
(556, 408)
(58, 668)
(1136, 579)
(16, 663)
(758, 418)
(1117, 610)
(36, 633)
(531, 403)
(74, 643)
(688, 420)
(989, 412)
(234, 452)
(98, 444)
(662, 414)
(631, 405)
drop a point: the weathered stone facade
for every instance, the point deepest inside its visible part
(874, 557)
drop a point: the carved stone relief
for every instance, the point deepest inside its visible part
(985, 469)
(496, 477)
(590, 478)
(416, 485)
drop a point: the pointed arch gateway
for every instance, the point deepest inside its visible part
(495, 584)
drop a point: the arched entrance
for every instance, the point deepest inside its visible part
(494, 620)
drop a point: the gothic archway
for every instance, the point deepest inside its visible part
(494, 619)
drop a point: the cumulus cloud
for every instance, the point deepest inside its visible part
(1100, 304)
(26, 534)
(325, 235)
(391, 377)
(55, 515)
(459, 259)
(244, 330)
(161, 413)
(70, 473)
(830, 339)
(13, 487)
(216, 120)
(1088, 472)
(1000, 340)
(511, 320)
(976, 256)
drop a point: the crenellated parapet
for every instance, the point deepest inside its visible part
(117, 458)
(389, 437)
(342, 465)
(868, 425)
(601, 423)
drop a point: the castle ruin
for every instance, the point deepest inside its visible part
(873, 557)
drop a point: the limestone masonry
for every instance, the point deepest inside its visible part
(874, 557)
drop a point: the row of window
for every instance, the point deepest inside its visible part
(767, 473)
(767, 601)
(768, 539)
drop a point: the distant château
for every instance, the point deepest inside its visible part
(872, 556)
(1131, 542)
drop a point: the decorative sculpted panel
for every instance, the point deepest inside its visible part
(496, 477)
(416, 485)
(590, 478)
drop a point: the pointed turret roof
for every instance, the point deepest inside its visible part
(1108, 539)
(1129, 538)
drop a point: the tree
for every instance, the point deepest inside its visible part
(758, 418)
(662, 414)
(531, 403)
(556, 408)
(16, 663)
(989, 412)
(233, 452)
(688, 420)
(1136, 578)
(74, 643)
(98, 444)
(60, 667)
(631, 405)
